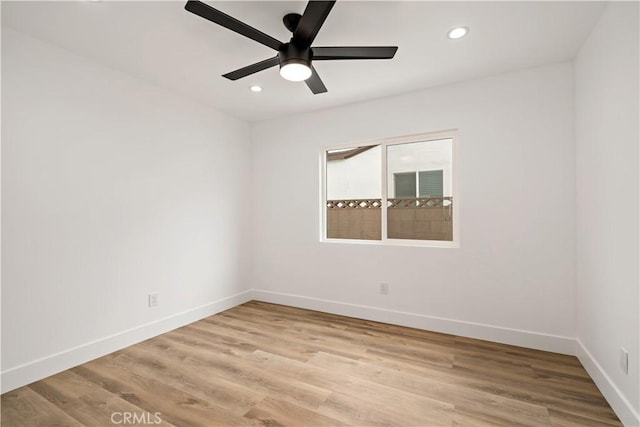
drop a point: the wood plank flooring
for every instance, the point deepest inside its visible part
(262, 364)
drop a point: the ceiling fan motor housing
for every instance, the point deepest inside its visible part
(291, 54)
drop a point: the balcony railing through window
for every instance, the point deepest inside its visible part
(415, 218)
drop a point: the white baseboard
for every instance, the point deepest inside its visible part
(619, 403)
(534, 340)
(38, 369)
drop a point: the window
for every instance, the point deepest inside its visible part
(354, 193)
(398, 191)
(430, 183)
(418, 184)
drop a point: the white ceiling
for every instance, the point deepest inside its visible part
(162, 43)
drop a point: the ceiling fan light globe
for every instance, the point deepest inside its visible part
(295, 71)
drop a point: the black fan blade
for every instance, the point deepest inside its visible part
(315, 82)
(252, 69)
(312, 19)
(214, 15)
(353, 52)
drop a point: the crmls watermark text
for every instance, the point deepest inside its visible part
(136, 418)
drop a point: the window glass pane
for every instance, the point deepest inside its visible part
(427, 215)
(354, 199)
(405, 184)
(431, 183)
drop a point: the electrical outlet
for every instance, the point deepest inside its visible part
(153, 300)
(624, 360)
(384, 288)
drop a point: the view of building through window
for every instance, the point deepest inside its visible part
(419, 190)
(411, 193)
(354, 193)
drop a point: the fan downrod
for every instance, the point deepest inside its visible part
(291, 21)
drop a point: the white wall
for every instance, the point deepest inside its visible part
(511, 280)
(111, 189)
(607, 138)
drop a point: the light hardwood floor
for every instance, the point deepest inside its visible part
(270, 365)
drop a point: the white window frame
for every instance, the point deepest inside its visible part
(384, 143)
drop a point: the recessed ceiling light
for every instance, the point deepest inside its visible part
(457, 33)
(255, 88)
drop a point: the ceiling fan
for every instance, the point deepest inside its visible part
(296, 56)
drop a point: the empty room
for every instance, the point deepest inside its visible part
(324, 213)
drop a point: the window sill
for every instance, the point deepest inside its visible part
(397, 242)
